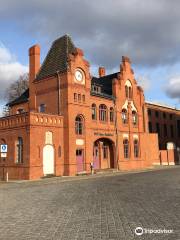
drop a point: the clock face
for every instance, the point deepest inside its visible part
(78, 75)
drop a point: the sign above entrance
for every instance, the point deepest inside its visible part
(3, 148)
(103, 134)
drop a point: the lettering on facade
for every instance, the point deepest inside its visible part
(103, 134)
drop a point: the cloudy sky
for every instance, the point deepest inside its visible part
(146, 31)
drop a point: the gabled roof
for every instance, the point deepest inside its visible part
(57, 57)
(105, 82)
(22, 99)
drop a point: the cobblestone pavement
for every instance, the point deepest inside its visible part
(107, 207)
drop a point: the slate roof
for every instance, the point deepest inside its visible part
(105, 83)
(57, 60)
(22, 99)
(57, 57)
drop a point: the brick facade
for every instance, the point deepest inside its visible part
(71, 119)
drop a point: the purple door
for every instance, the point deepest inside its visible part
(96, 157)
(80, 160)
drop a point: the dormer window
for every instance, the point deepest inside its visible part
(96, 89)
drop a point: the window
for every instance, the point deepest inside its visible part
(158, 128)
(79, 97)
(134, 118)
(178, 128)
(111, 114)
(75, 97)
(96, 89)
(164, 115)
(42, 108)
(105, 151)
(126, 148)
(103, 113)
(172, 131)
(149, 112)
(165, 130)
(19, 150)
(124, 116)
(150, 127)
(136, 149)
(170, 116)
(20, 110)
(79, 125)
(157, 114)
(83, 98)
(94, 112)
(128, 92)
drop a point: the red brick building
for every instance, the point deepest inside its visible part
(68, 119)
(165, 121)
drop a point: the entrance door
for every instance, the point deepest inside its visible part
(48, 160)
(80, 160)
(96, 157)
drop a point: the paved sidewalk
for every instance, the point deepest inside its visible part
(107, 207)
(89, 176)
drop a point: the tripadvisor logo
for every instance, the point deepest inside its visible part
(139, 231)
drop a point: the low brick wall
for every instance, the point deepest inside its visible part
(167, 157)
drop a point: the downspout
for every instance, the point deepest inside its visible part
(116, 132)
(59, 93)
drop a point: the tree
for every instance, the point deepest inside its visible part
(17, 88)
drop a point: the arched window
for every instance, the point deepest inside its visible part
(103, 113)
(111, 114)
(128, 89)
(124, 116)
(134, 118)
(136, 148)
(79, 125)
(19, 150)
(94, 112)
(126, 148)
(130, 93)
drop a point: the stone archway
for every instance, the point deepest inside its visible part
(103, 154)
(48, 159)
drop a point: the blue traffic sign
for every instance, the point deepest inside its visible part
(4, 148)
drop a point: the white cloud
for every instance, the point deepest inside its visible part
(173, 88)
(10, 69)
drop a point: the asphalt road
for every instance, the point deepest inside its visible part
(107, 207)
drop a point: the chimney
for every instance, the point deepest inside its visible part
(34, 65)
(34, 61)
(102, 72)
